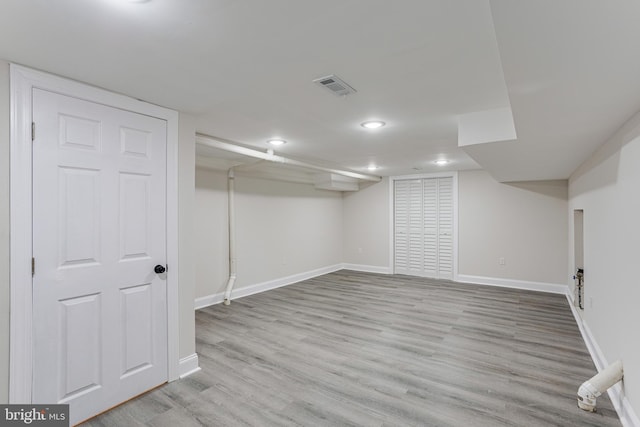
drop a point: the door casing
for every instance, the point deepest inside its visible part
(22, 82)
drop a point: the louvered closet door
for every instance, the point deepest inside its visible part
(408, 227)
(445, 228)
(430, 224)
(401, 232)
(423, 219)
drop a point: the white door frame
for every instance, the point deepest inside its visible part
(392, 222)
(22, 81)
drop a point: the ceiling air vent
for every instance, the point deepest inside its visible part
(335, 85)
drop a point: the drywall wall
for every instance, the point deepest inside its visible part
(524, 223)
(212, 241)
(282, 229)
(4, 231)
(366, 226)
(606, 188)
(186, 233)
(285, 228)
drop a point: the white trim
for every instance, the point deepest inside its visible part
(212, 299)
(623, 407)
(512, 283)
(173, 277)
(20, 351)
(392, 179)
(572, 299)
(208, 300)
(22, 82)
(392, 229)
(455, 227)
(367, 268)
(189, 365)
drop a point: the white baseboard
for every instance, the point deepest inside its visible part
(213, 299)
(623, 407)
(188, 365)
(208, 300)
(512, 283)
(367, 268)
(571, 296)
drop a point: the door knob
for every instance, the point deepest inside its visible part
(159, 269)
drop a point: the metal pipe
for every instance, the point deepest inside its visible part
(209, 141)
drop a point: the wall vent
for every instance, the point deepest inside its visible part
(335, 85)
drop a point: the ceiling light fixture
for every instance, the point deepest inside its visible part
(372, 124)
(276, 141)
(372, 167)
(441, 162)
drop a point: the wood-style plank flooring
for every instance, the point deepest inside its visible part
(359, 349)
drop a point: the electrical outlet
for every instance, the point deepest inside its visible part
(501, 261)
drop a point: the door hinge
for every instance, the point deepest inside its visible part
(33, 267)
(33, 131)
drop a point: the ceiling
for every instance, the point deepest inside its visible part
(568, 71)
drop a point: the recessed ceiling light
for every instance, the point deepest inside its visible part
(441, 162)
(373, 124)
(372, 167)
(276, 141)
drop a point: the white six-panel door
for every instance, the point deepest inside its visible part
(99, 228)
(423, 227)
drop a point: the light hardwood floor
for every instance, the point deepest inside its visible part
(363, 349)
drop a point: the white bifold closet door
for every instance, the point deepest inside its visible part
(423, 220)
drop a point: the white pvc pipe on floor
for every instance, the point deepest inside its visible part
(594, 387)
(232, 238)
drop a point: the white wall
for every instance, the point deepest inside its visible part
(607, 188)
(4, 231)
(186, 249)
(366, 226)
(282, 229)
(212, 241)
(524, 223)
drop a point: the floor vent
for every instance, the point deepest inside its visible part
(335, 85)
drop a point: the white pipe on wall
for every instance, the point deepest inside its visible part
(594, 387)
(232, 238)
